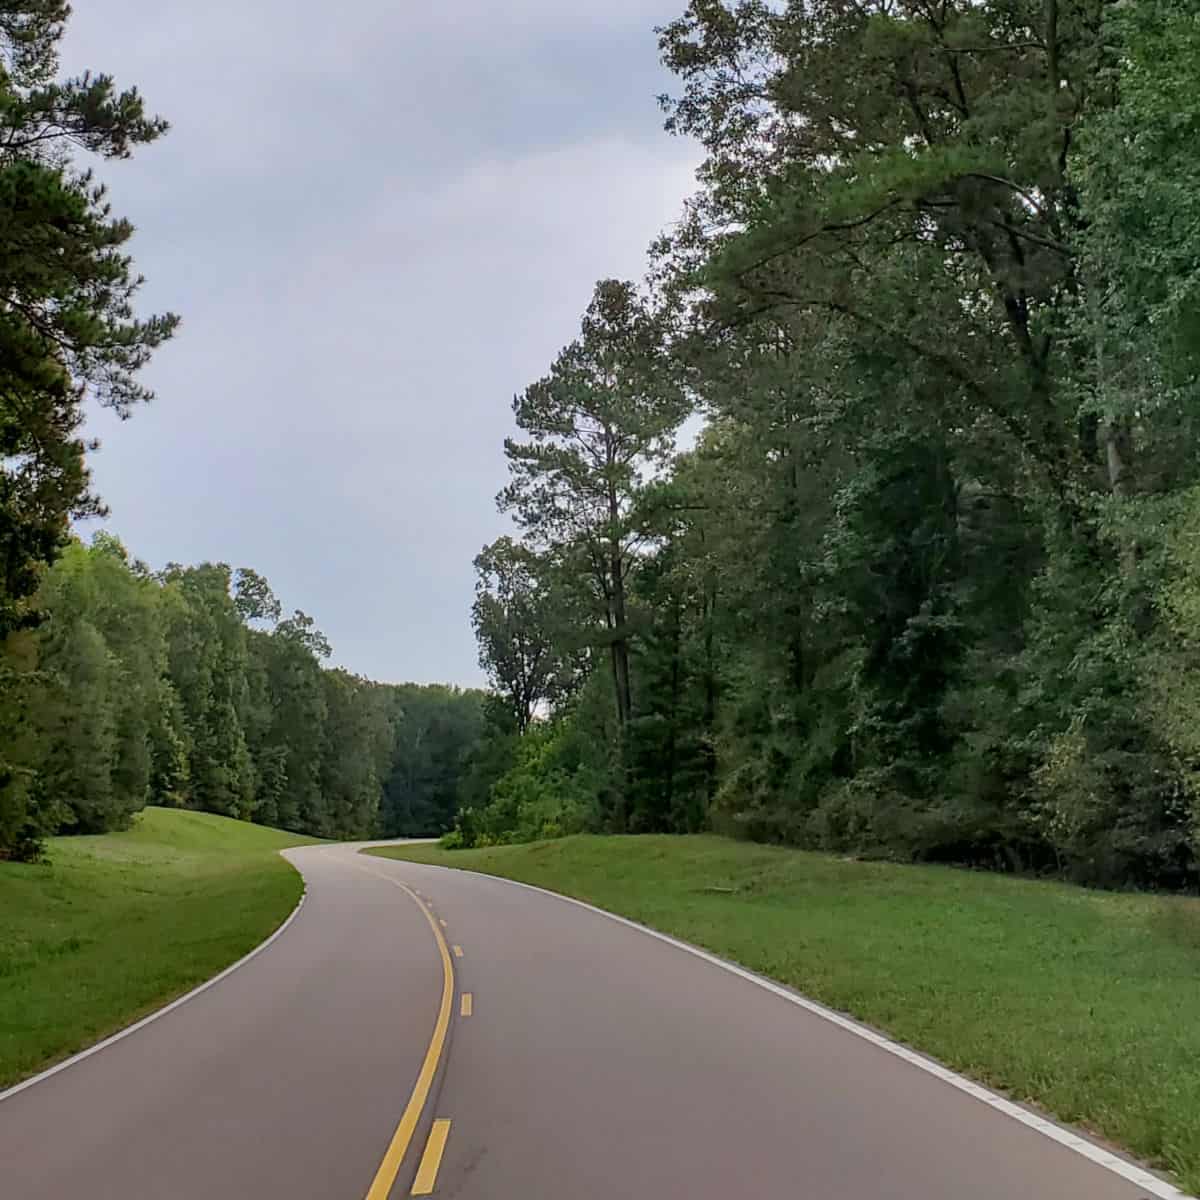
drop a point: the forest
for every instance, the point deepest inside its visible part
(926, 586)
(189, 688)
(121, 686)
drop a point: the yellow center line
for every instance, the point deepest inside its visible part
(432, 1158)
(468, 1004)
(458, 952)
(381, 1186)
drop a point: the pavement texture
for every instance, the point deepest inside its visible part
(586, 1060)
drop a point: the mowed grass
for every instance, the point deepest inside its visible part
(1084, 1003)
(118, 924)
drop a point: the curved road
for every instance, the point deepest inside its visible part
(591, 1062)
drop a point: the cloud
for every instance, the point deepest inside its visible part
(377, 230)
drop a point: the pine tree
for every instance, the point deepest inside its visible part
(67, 328)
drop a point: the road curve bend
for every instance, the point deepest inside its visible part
(577, 1059)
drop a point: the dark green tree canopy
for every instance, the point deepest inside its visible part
(926, 586)
(68, 328)
(183, 688)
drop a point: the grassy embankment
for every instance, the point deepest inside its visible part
(1082, 1002)
(119, 924)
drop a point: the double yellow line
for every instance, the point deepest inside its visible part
(385, 1177)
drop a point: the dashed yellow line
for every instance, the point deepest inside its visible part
(458, 952)
(467, 1006)
(432, 1158)
(385, 1176)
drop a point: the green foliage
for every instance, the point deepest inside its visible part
(926, 586)
(207, 663)
(67, 331)
(523, 628)
(186, 689)
(542, 794)
(67, 328)
(358, 744)
(1140, 175)
(491, 757)
(597, 425)
(435, 729)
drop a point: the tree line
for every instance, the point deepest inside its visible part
(120, 686)
(189, 688)
(927, 585)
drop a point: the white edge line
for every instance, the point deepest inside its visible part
(1071, 1139)
(158, 1012)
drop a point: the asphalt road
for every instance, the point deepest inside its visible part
(590, 1061)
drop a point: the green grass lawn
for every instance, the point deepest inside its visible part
(1085, 1003)
(116, 925)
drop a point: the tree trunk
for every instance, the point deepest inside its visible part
(672, 821)
(1118, 448)
(710, 697)
(620, 649)
(616, 583)
(1118, 434)
(620, 638)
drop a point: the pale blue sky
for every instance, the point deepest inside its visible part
(378, 222)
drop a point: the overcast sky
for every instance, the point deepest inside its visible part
(378, 222)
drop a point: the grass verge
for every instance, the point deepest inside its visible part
(1081, 1002)
(116, 925)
